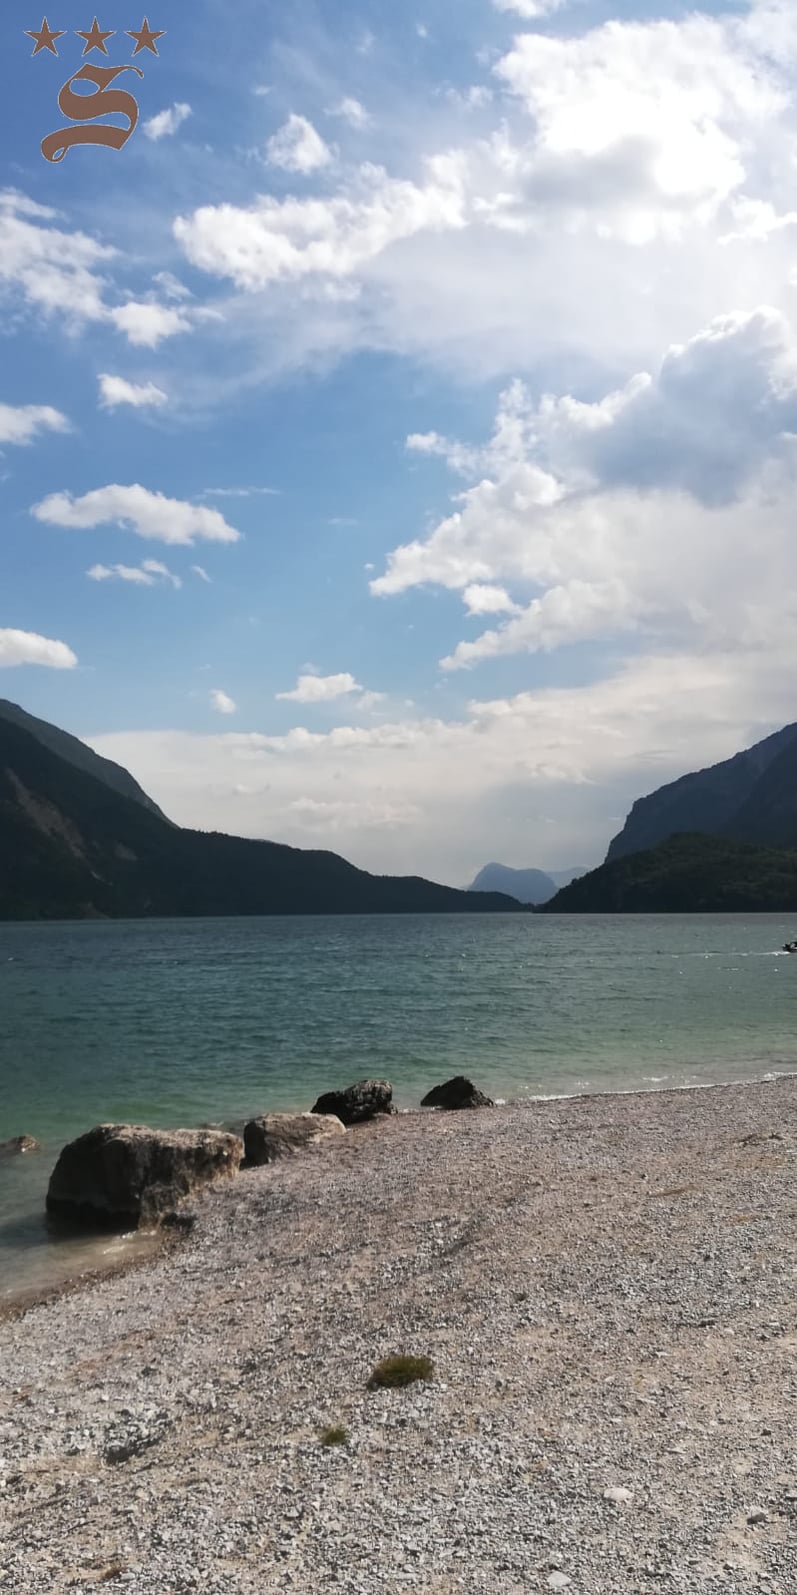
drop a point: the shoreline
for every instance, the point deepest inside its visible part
(604, 1286)
(17, 1305)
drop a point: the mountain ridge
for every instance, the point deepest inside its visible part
(73, 751)
(73, 847)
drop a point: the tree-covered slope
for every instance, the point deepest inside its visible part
(72, 847)
(688, 874)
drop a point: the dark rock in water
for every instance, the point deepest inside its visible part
(277, 1135)
(457, 1093)
(19, 1144)
(120, 1175)
(358, 1102)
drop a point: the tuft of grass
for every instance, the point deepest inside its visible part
(335, 1435)
(394, 1373)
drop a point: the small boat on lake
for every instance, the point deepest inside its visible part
(790, 947)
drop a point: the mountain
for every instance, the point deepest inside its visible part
(693, 874)
(533, 886)
(769, 815)
(526, 885)
(72, 846)
(751, 797)
(76, 753)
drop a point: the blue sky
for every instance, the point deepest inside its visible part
(397, 434)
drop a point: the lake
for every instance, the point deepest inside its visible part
(183, 1022)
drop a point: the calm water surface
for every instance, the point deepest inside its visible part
(188, 1021)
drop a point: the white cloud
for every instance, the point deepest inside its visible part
(222, 703)
(662, 508)
(24, 422)
(321, 689)
(137, 509)
(351, 111)
(279, 240)
(150, 573)
(117, 390)
(620, 155)
(484, 600)
(199, 570)
(28, 648)
(167, 122)
(297, 147)
(146, 323)
(53, 269)
(63, 273)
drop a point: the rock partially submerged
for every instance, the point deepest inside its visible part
(120, 1175)
(457, 1093)
(358, 1102)
(19, 1144)
(276, 1135)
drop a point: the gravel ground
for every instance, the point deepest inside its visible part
(607, 1287)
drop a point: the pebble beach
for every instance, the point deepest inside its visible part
(606, 1287)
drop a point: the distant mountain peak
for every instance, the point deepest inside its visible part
(533, 886)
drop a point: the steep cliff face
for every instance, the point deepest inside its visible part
(75, 752)
(729, 799)
(74, 846)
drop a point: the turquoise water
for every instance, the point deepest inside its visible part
(190, 1021)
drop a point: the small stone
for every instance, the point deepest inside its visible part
(758, 1516)
(618, 1495)
(558, 1581)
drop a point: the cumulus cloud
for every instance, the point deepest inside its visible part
(321, 689)
(117, 390)
(484, 600)
(283, 240)
(167, 122)
(660, 508)
(24, 422)
(150, 573)
(146, 323)
(137, 509)
(222, 702)
(621, 155)
(297, 147)
(59, 272)
(28, 648)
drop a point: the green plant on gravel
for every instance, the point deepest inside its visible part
(335, 1435)
(394, 1373)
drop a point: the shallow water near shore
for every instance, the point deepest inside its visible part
(185, 1022)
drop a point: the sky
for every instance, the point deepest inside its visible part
(398, 427)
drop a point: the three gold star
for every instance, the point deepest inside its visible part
(95, 38)
(45, 38)
(144, 37)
